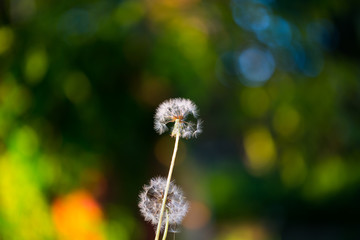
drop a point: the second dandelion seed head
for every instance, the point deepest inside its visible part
(178, 111)
(151, 199)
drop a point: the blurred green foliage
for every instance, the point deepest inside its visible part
(277, 85)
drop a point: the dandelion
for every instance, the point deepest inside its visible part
(178, 111)
(151, 200)
(183, 114)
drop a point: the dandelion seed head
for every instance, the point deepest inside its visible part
(151, 199)
(178, 111)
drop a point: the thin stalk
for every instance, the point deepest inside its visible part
(168, 182)
(167, 225)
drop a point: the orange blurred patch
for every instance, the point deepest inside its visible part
(78, 216)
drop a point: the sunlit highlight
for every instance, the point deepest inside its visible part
(260, 150)
(327, 178)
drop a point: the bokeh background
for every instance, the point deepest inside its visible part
(277, 85)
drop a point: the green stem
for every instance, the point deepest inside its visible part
(168, 182)
(167, 225)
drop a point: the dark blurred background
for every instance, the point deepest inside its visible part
(277, 85)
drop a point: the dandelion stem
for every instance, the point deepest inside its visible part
(168, 181)
(167, 225)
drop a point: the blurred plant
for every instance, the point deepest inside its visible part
(178, 111)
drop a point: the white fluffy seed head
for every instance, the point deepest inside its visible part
(178, 111)
(151, 199)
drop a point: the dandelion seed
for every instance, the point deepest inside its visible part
(151, 200)
(178, 111)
